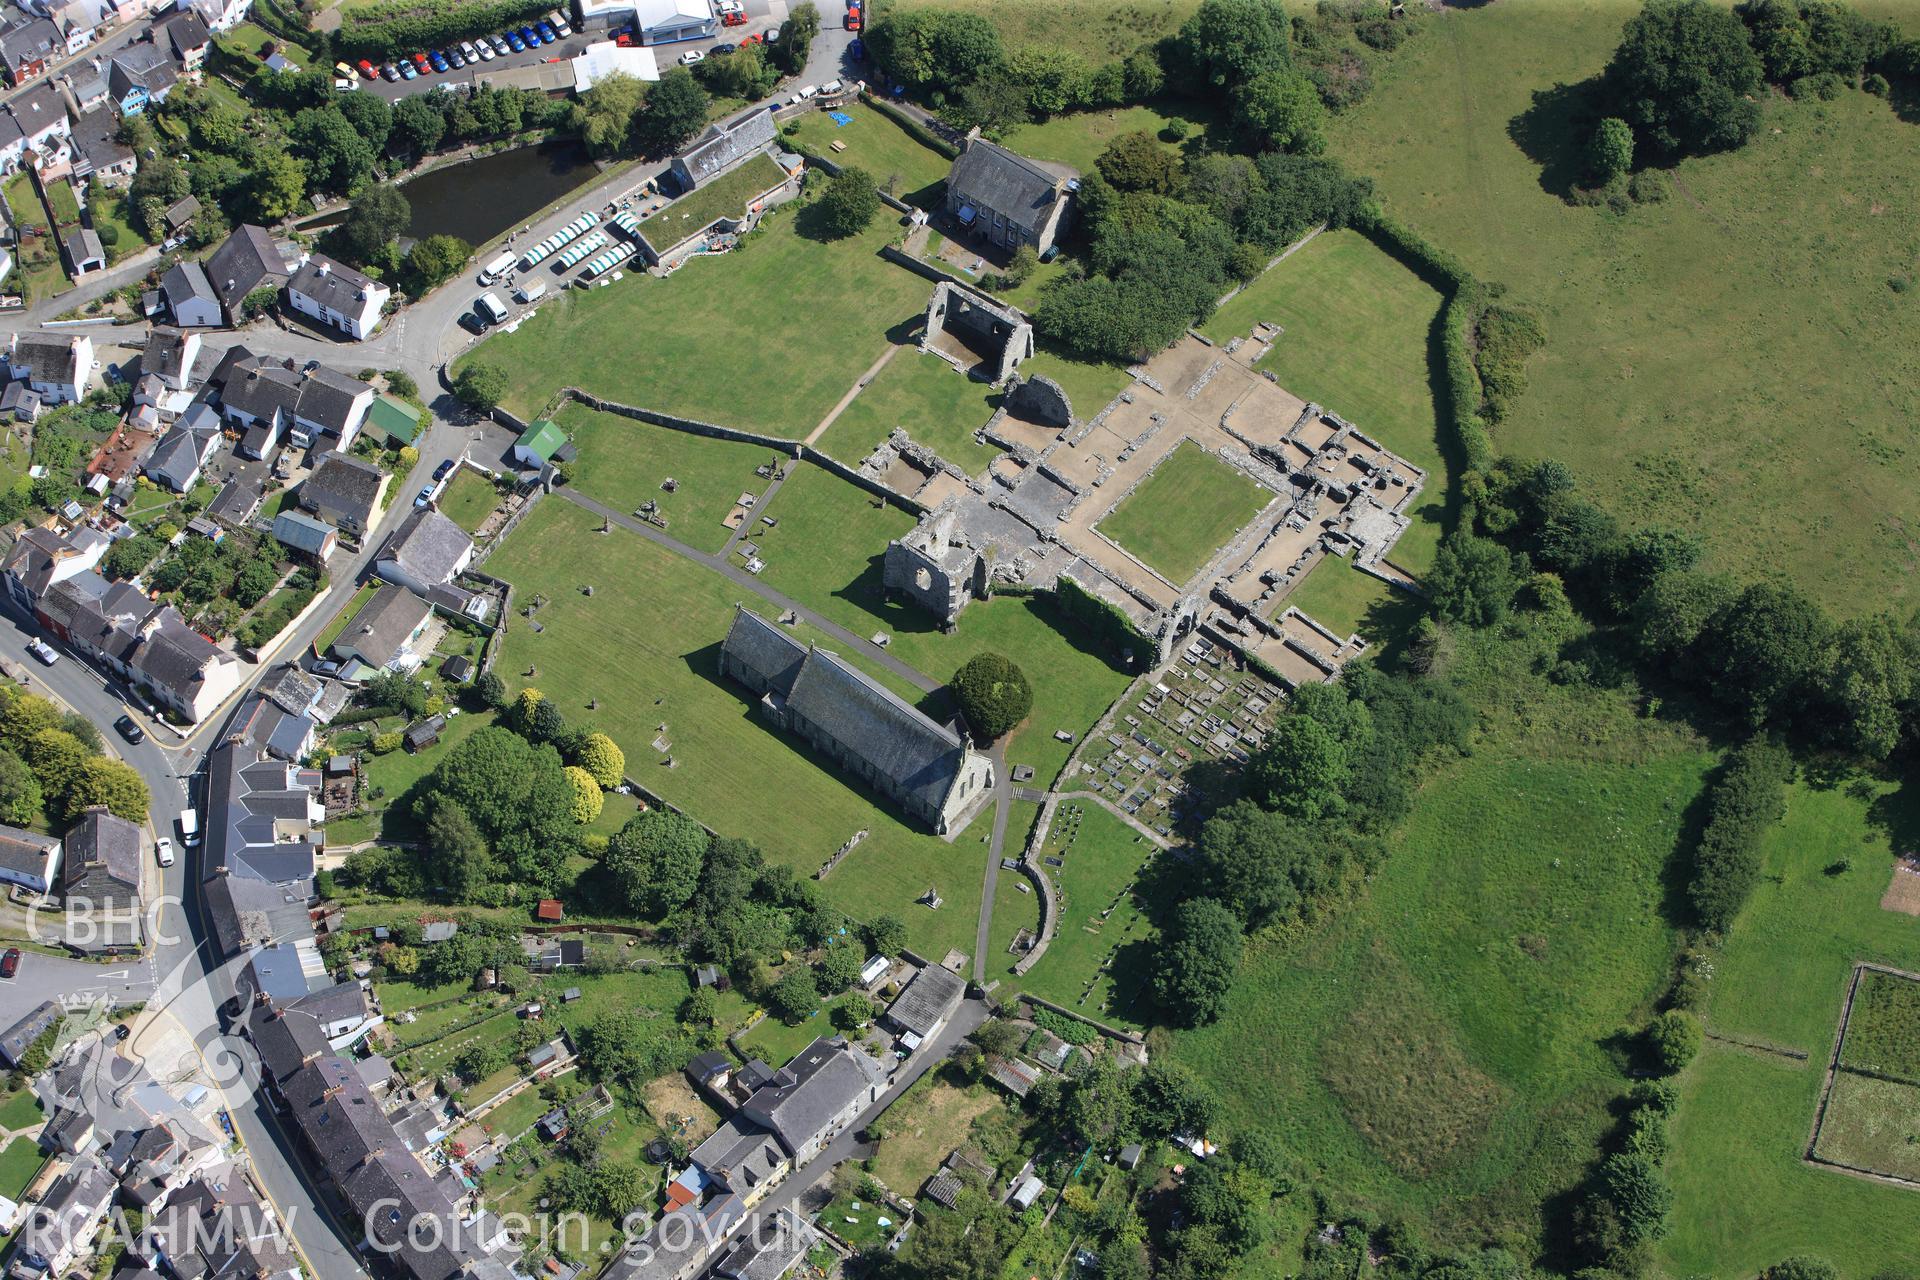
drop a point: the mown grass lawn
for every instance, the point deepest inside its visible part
(1438, 1046)
(1349, 602)
(1733, 361)
(935, 403)
(769, 336)
(395, 773)
(646, 644)
(20, 1160)
(775, 1041)
(624, 462)
(725, 197)
(1100, 955)
(878, 145)
(1184, 512)
(827, 553)
(468, 499)
(1077, 138)
(1359, 341)
(1744, 1197)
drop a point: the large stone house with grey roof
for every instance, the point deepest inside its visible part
(1006, 199)
(928, 769)
(102, 855)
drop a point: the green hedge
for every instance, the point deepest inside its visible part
(921, 134)
(1749, 796)
(429, 26)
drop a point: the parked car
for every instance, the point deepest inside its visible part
(692, 56)
(468, 52)
(130, 730)
(514, 42)
(43, 651)
(532, 37)
(163, 850)
(500, 45)
(329, 668)
(773, 34)
(367, 69)
(437, 60)
(344, 71)
(546, 31)
(409, 72)
(723, 48)
(455, 59)
(560, 23)
(440, 472)
(425, 495)
(10, 962)
(390, 72)
(485, 51)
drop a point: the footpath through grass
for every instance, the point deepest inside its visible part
(1732, 362)
(767, 337)
(1359, 339)
(935, 403)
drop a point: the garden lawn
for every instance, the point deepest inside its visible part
(878, 145)
(1744, 1197)
(63, 203)
(725, 197)
(769, 336)
(36, 253)
(859, 1227)
(468, 499)
(1077, 138)
(395, 773)
(927, 1122)
(1179, 516)
(775, 1042)
(20, 1160)
(936, 404)
(1872, 1124)
(623, 463)
(1438, 1048)
(21, 1110)
(827, 553)
(1348, 602)
(1097, 961)
(1359, 340)
(646, 644)
(1733, 362)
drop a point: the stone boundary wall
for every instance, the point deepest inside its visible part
(1113, 1033)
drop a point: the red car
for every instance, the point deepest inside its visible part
(367, 70)
(10, 962)
(420, 61)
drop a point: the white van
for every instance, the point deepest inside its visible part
(807, 93)
(490, 308)
(532, 291)
(497, 268)
(190, 828)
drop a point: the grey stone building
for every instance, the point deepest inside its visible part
(1006, 199)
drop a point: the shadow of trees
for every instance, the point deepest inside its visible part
(1554, 130)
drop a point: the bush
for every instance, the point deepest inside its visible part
(1675, 1038)
(993, 693)
(385, 31)
(1748, 797)
(384, 743)
(1650, 186)
(1505, 337)
(481, 385)
(587, 800)
(1824, 87)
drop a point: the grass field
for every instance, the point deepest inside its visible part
(1745, 1197)
(939, 406)
(1077, 138)
(1651, 386)
(1359, 340)
(769, 336)
(1096, 961)
(927, 1122)
(623, 464)
(878, 145)
(20, 1160)
(827, 553)
(1872, 1124)
(726, 197)
(1517, 925)
(468, 499)
(1095, 29)
(1184, 512)
(1883, 1031)
(646, 645)
(1349, 602)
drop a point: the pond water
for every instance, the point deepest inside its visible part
(479, 199)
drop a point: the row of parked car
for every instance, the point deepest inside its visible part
(545, 31)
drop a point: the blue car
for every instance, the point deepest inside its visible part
(407, 71)
(438, 60)
(514, 42)
(547, 32)
(532, 37)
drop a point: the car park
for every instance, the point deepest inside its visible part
(532, 291)
(367, 69)
(691, 56)
(485, 51)
(344, 71)
(546, 31)
(10, 962)
(514, 42)
(43, 651)
(408, 71)
(130, 730)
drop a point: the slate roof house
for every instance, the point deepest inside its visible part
(28, 860)
(61, 1226)
(190, 296)
(337, 296)
(427, 550)
(102, 854)
(311, 537)
(248, 260)
(345, 492)
(138, 76)
(42, 558)
(56, 367)
(98, 151)
(1007, 199)
(115, 626)
(83, 251)
(30, 1026)
(27, 46)
(268, 397)
(928, 1001)
(216, 1228)
(187, 38)
(382, 634)
(170, 354)
(925, 768)
(42, 116)
(816, 1096)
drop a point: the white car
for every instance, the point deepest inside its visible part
(486, 52)
(468, 52)
(500, 46)
(692, 56)
(558, 21)
(163, 850)
(43, 651)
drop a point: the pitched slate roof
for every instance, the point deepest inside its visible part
(766, 649)
(1011, 185)
(19, 1037)
(38, 109)
(929, 999)
(428, 546)
(872, 723)
(142, 65)
(332, 284)
(252, 802)
(185, 31)
(25, 852)
(811, 1091)
(186, 446)
(768, 1251)
(383, 624)
(301, 531)
(102, 858)
(187, 282)
(327, 397)
(175, 657)
(253, 913)
(28, 40)
(341, 484)
(246, 260)
(46, 357)
(96, 137)
(742, 1155)
(166, 354)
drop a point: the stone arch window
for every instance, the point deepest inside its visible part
(923, 578)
